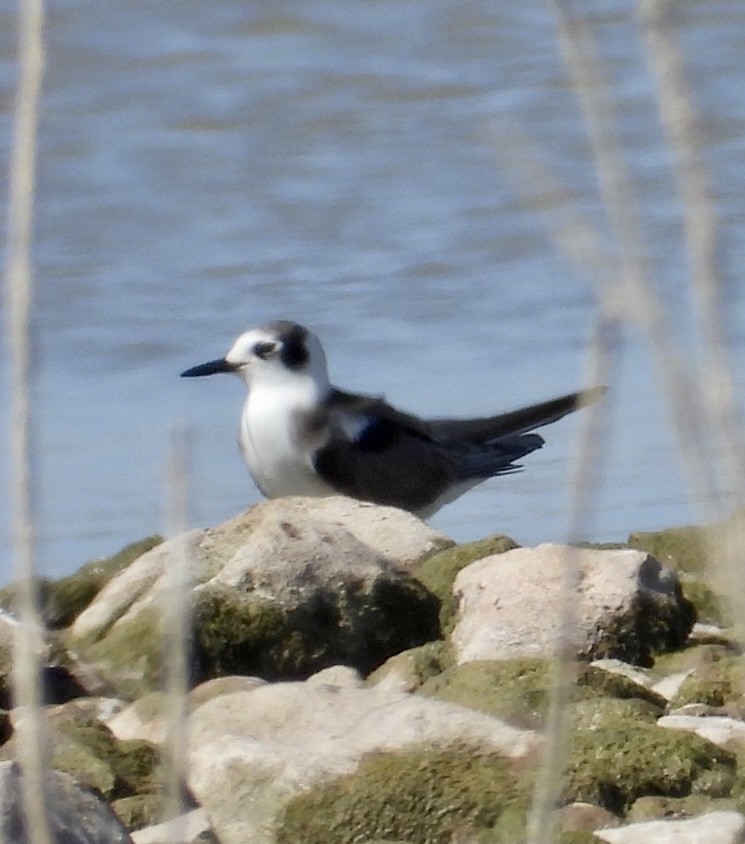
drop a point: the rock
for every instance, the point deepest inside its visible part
(280, 592)
(655, 808)
(146, 720)
(456, 794)
(60, 601)
(76, 815)
(669, 687)
(87, 750)
(132, 587)
(711, 634)
(395, 534)
(518, 691)
(616, 666)
(610, 713)
(251, 752)
(584, 817)
(221, 686)
(438, 572)
(712, 828)
(512, 605)
(717, 681)
(59, 683)
(615, 764)
(718, 729)
(338, 676)
(407, 671)
(186, 829)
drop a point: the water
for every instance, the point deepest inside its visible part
(207, 167)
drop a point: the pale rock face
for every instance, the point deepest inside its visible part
(610, 603)
(712, 828)
(332, 571)
(719, 729)
(251, 752)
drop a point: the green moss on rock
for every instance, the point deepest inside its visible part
(718, 682)
(690, 658)
(139, 810)
(61, 601)
(614, 767)
(593, 681)
(711, 608)
(243, 633)
(610, 712)
(515, 691)
(438, 572)
(680, 548)
(421, 796)
(518, 690)
(652, 808)
(415, 666)
(130, 655)
(135, 765)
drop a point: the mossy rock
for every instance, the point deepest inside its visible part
(62, 600)
(652, 808)
(243, 633)
(613, 713)
(130, 656)
(691, 658)
(680, 548)
(719, 682)
(88, 751)
(135, 765)
(415, 666)
(711, 607)
(697, 553)
(577, 837)
(614, 767)
(438, 572)
(421, 796)
(139, 810)
(516, 691)
(593, 681)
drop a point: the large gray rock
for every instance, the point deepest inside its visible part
(280, 592)
(712, 828)
(76, 815)
(624, 605)
(251, 752)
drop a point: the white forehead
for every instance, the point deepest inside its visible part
(301, 350)
(243, 347)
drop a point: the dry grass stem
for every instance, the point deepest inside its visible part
(27, 690)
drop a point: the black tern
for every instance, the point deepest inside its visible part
(300, 435)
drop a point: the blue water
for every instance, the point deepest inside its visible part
(207, 167)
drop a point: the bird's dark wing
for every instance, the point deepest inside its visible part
(491, 429)
(377, 453)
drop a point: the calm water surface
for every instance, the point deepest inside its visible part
(205, 167)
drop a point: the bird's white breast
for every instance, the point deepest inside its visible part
(277, 455)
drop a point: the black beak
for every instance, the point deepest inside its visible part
(210, 368)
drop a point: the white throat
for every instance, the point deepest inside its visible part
(274, 441)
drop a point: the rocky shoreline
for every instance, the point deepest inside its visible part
(355, 676)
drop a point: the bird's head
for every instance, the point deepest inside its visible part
(274, 355)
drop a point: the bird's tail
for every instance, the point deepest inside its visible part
(496, 429)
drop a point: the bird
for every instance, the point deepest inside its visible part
(300, 435)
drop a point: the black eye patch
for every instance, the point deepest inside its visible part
(264, 349)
